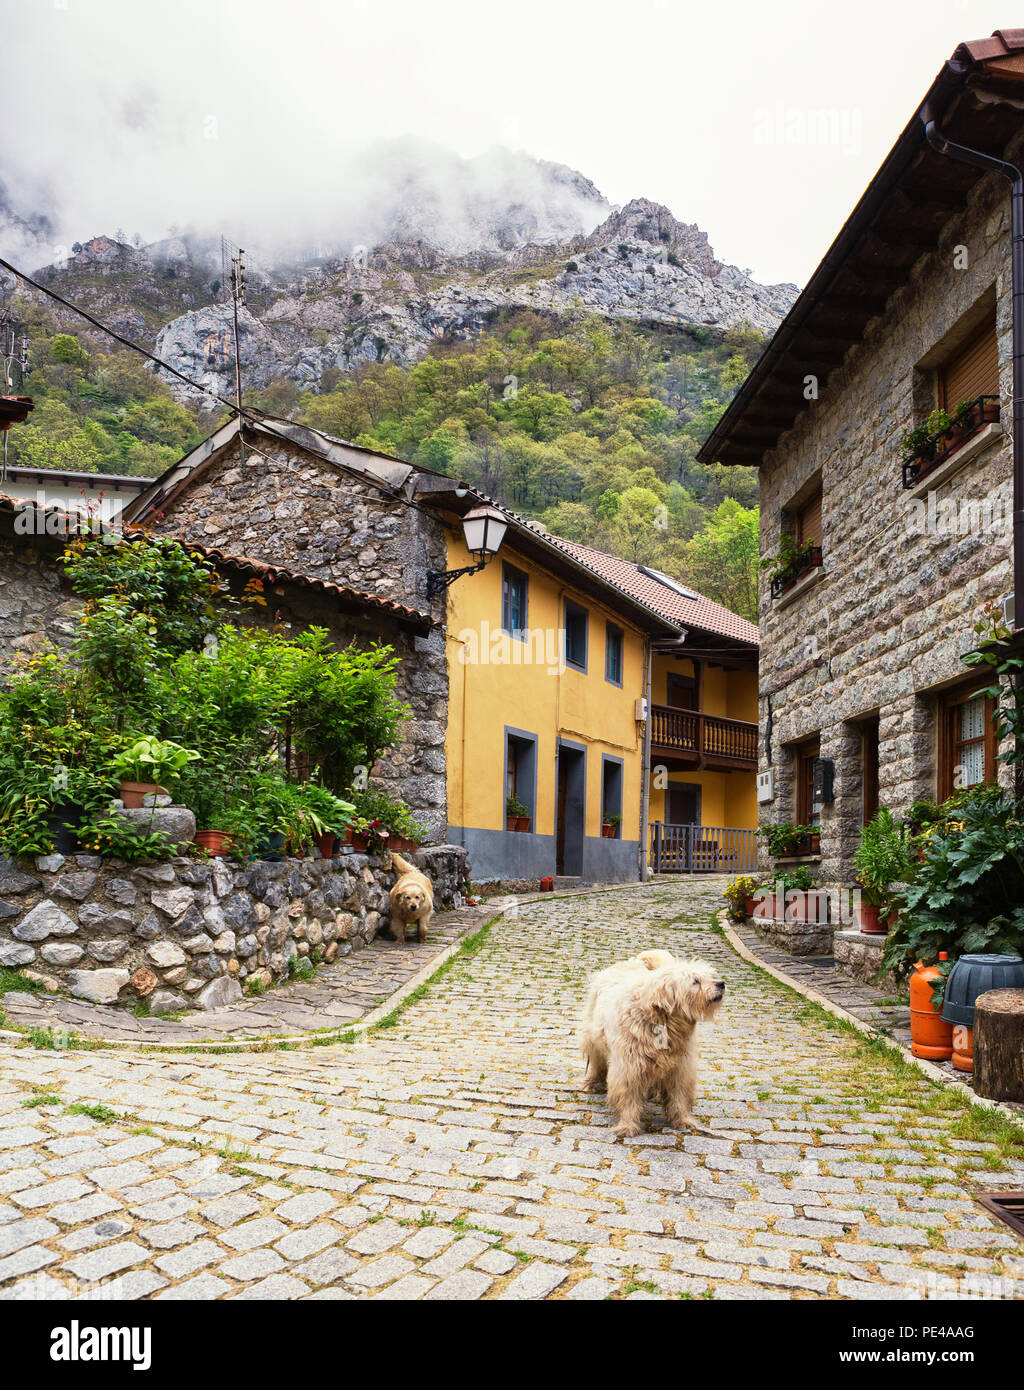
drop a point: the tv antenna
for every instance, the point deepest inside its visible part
(13, 351)
(237, 257)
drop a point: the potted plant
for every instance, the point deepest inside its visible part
(146, 765)
(884, 858)
(794, 891)
(740, 896)
(786, 839)
(515, 811)
(942, 434)
(793, 559)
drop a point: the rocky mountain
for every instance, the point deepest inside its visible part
(453, 252)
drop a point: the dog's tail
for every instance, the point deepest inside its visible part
(400, 865)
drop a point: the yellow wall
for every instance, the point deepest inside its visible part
(487, 695)
(727, 798)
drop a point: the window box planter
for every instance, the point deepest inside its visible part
(794, 572)
(933, 451)
(806, 845)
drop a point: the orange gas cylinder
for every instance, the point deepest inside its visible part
(963, 1047)
(930, 1036)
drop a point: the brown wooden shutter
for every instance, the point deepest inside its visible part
(972, 371)
(808, 520)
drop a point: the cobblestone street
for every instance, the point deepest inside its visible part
(452, 1155)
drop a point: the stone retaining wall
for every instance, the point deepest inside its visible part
(189, 933)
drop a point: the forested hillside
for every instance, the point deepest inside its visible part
(590, 425)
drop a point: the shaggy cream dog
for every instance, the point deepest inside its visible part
(637, 1035)
(412, 898)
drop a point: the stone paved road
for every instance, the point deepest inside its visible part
(453, 1156)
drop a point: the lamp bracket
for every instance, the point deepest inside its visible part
(439, 580)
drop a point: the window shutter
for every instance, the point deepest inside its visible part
(808, 521)
(972, 371)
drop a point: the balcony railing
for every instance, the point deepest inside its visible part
(686, 731)
(702, 849)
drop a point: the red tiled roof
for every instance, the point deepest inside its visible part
(699, 611)
(1002, 43)
(258, 569)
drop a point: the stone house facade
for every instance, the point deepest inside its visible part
(864, 698)
(38, 608)
(334, 516)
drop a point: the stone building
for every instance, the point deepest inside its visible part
(864, 698)
(38, 607)
(331, 515)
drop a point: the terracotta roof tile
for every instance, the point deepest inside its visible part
(697, 611)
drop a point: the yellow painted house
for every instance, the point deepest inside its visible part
(566, 667)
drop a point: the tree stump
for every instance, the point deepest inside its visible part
(999, 1044)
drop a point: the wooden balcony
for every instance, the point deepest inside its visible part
(689, 738)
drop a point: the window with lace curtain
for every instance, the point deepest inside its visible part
(967, 741)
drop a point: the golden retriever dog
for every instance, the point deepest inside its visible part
(637, 1035)
(412, 898)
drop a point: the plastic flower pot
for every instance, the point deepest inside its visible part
(325, 843)
(930, 1035)
(64, 821)
(749, 903)
(271, 846)
(547, 885)
(132, 793)
(215, 842)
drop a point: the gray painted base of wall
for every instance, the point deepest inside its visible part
(511, 855)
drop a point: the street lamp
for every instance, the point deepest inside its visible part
(483, 530)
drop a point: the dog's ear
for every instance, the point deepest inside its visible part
(667, 993)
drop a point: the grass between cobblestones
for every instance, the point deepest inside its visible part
(451, 1153)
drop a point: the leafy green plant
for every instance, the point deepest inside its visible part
(153, 760)
(790, 557)
(381, 816)
(113, 835)
(968, 892)
(884, 857)
(515, 808)
(784, 837)
(736, 894)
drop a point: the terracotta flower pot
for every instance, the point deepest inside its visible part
(511, 822)
(357, 839)
(215, 842)
(325, 843)
(607, 831)
(522, 823)
(871, 921)
(749, 904)
(132, 793)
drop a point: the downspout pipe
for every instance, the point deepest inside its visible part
(989, 162)
(645, 763)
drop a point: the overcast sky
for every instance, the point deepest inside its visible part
(141, 113)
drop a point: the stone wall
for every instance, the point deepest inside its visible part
(190, 934)
(884, 627)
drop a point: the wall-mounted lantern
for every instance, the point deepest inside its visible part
(483, 530)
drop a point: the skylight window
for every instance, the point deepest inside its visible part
(669, 582)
